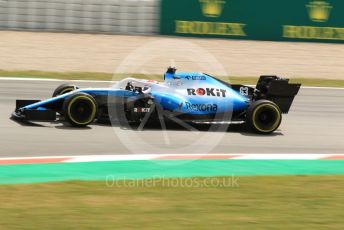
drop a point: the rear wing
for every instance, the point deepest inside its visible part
(278, 90)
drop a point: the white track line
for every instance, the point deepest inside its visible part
(95, 158)
(283, 156)
(50, 79)
(316, 87)
(95, 81)
(231, 156)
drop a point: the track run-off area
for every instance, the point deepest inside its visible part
(112, 168)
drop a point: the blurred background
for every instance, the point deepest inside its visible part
(95, 36)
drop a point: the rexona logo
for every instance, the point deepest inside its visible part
(199, 107)
(212, 8)
(319, 11)
(207, 92)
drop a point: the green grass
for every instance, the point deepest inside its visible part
(286, 202)
(110, 76)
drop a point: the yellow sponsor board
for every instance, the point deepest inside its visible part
(319, 11)
(310, 20)
(212, 8)
(313, 32)
(210, 28)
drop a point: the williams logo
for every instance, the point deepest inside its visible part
(319, 11)
(198, 107)
(207, 91)
(201, 78)
(212, 8)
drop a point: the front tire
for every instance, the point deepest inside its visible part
(64, 88)
(80, 109)
(264, 116)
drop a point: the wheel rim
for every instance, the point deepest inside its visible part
(82, 110)
(266, 118)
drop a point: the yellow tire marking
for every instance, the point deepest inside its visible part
(93, 111)
(274, 125)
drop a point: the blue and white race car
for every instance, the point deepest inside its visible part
(188, 97)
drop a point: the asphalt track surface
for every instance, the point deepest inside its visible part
(315, 124)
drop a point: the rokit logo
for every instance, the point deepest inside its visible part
(207, 91)
(199, 107)
(141, 110)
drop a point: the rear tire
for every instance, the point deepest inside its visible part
(264, 116)
(64, 88)
(80, 109)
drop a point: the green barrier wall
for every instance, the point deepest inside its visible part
(276, 20)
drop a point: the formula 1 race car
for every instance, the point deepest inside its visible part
(189, 97)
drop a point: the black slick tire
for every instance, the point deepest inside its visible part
(80, 109)
(263, 116)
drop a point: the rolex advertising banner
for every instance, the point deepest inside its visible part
(282, 20)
